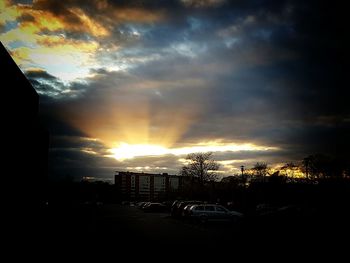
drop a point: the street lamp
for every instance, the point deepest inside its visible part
(242, 170)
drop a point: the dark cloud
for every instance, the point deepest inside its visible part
(45, 83)
(26, 18)
(50, 86)
(77, 164)
(40, 74)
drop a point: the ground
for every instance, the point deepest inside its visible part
(132, 224)
(125, 227)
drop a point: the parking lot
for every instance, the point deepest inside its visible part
(125, 226)
(129, 223)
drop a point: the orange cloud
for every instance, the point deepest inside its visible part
(88, 24)
(72, 16)
(42, 20)
(136, 15)
(45, 25)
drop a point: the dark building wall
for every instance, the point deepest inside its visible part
(151, 187)
(26, 141)
(137, 187)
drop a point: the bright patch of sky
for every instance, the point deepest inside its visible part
(189, 49)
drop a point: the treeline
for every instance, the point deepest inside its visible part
(318, 180)
(326, 180)
(87, 192)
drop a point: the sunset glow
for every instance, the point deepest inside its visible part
(153, 81)
(126, 151)
(129, 151)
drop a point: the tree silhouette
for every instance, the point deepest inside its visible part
(289, 169)
(260, 170)
(201, 166)
(319, 166)
(306, 165)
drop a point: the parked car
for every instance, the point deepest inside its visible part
(154, 207)
(140, 204)
(178, 210)
(203, 213)
(186, 210)
(173, 209)
(168, 205)
(145, 204)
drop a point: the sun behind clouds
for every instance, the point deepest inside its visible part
(128, 151)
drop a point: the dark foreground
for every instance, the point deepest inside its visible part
(128, 227)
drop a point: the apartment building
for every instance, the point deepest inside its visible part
(146, 186)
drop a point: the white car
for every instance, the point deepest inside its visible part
(206, 212)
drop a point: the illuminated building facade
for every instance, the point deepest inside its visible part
(146, 186)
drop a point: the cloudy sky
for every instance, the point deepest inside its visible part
(137, 85)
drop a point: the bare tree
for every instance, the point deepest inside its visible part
(306, 166)
(202, 166)
(318, 166)
(260, 170)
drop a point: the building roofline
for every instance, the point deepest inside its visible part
(146, 174)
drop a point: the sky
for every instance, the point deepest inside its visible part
(137, 85)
